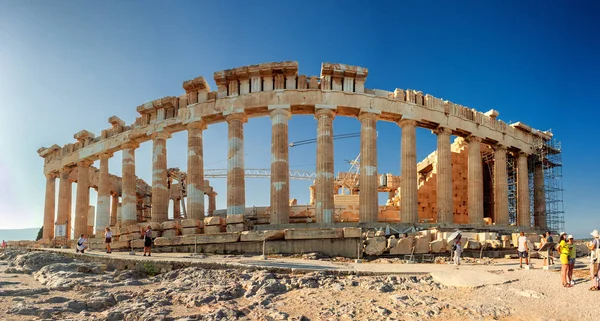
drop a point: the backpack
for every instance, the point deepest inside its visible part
(454, 247)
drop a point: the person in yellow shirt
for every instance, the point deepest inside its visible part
(563, 249)
(572, 257)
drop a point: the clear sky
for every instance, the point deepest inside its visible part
(70, 65)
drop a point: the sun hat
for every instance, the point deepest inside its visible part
(595, 233)
(569, 237)
(562, 233)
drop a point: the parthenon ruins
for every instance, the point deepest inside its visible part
(474, 180)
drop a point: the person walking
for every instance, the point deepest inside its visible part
(572, 257)
(523, 249)
(147, 240)
(108, 239)
(563, 250)
(457, 248)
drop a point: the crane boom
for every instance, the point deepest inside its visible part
(259, 173)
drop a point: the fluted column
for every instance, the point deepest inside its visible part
(212, 203)
(313, 194)
(176, 209)
(408, 185)
(113, 209)
(445, 202)
(160, 192)
(368, 196)
(63, 216)
(280, 168)
(82, 204)
(236, 184)
(324, 206)
(103, 200)
(49, 206)
(195, 179)
(523, 203)
(500, 186)
(475, 182)
(539, 196)
(128, 191)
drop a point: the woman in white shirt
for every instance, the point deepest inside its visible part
(108, 239)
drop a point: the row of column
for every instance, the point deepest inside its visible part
(324, 200)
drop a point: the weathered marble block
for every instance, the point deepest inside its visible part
(404, 246)
(234, 219)
(191, 230)
(192, 222)
(259, 236)
(209, 239)
(212, 229)
(307, 234)
(352, 232)
(235, 227)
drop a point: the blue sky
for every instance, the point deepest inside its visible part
(70, 65)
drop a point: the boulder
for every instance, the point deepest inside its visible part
(404, 246)
(192, 222)
(235, 227)
(235, 219)
(352, 232)
(315, 233)
(191, 230)
(259, 236)
(375, 245)
(212, 229)
(438, 246)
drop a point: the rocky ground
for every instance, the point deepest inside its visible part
(42, 285)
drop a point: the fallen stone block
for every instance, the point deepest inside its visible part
(133, 228)
(212, 238)
(234, 228)
(234, 219)
(421, 244)
(404, 246)
(119, 245)
(493, 244)
(375, 245)
(352, 232)
(438, 246)
(212, 229)
(213, 220)
(162, 241)
(259, 236)
(473, 245)
(320, 233)
(392, 241)
(153, 225)
(170, 225)
(506, 244)
(191, 230)
(191, 222)
(485, 236)
(137, 244)
(170, 233)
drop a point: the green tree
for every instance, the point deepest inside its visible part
(40, 234)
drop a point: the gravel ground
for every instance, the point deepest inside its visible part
(41, 285)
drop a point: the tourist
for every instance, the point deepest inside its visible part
(594, 247)
(572, 257)
(563, 250)
(108, 239)
(81, 246)
(147, 240)
(523, 249)
(551, 251)
(456, 247)
(3, 244)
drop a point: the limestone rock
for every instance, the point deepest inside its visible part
(319, 233)
(438, 246)
(208, 239)
(375, 245)
(493, 244)
(137, 244)
(170, 233)
(259, 236)
(473, 245)
(234, 219)
(169, 225)
(235, 227)
(352, 232)
(213, 220)
(404, 246)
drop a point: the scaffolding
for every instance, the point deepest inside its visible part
(511, 171)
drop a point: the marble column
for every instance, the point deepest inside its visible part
(128, 182)
(160, 192)
(63, 215)
(368, 197)
(103, 201)
(408, 185)
(313, 194)
(523, 203)
(195, 179)
(236, 184)
(212, 203)
(113, 209)
(280, 168)
(500, 186)
(176, 209)
(324, 206)
(445, 201)
(82, 203)
(539, 196)
(475, 182)
(49, 206)
(90, 221)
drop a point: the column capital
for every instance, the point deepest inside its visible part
(237, 116)
(281, 111)
(65, 170)
(472, 138)
(52, 175)
(84, 163)
(407, 122)
(442, 130)
(364, 115)
(499, 147)
(105, 156)
(163, 134)
(197, 125)
(522, 154)
(324, 112)
(130, 145)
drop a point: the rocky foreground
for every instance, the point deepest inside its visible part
(43, 285)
